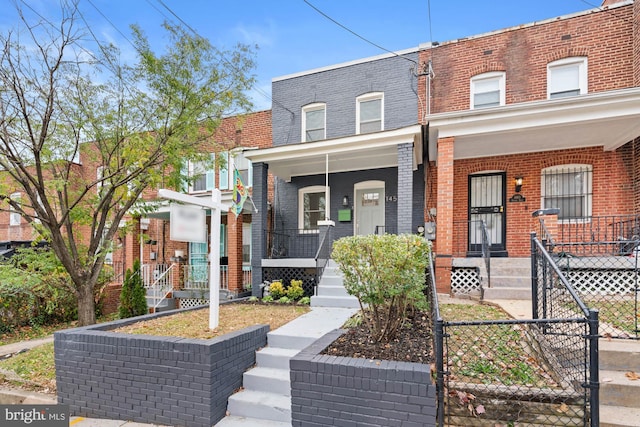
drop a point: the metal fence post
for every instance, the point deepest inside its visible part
(439, 343)
(594, 365)
(534, 277)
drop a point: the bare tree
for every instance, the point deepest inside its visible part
(63, 102)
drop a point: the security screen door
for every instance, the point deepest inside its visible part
(487, 202)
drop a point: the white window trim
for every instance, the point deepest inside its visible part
(234, 161)
(583, 79)
(588, 195)
(370, 97)
(14, 217)
(493, 75)
(301, 193)
(313, 107)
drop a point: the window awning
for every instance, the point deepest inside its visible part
(352, 153)
(607, 119)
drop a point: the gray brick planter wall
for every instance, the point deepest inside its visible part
(341, 391)
(164, 380)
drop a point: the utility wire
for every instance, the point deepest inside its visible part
(354, 33)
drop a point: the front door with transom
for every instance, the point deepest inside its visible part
(369, 208)
(487, 203)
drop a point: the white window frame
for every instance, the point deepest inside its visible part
(373, 96)
(14, 216)
(241, 163)
(309, 108)
(201, 169)
(301, 194)
(587, 191)
(583, 81)
(499, 76)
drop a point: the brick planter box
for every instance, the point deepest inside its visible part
(341, 391)
(150, 379)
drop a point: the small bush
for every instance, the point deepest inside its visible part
(387, 274)
(304, 300)
(268, 298)
(284, 300)
(133, 301)
(253, 299)
(276, 290)
(295, 290)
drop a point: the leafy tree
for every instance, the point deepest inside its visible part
(133, 300)
(387, 274)
(63, 99)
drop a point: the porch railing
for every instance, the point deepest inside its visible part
(158, 279)
(292, 243)
(324, 252)
(598, 235)
(486, 249)
(196, 277)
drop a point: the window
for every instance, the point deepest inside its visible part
(244, 167)
(246, 243)
(201, 175)
(567, 77)
(568, 188)
(488, 90)
(223, 172)
(14, 215)
(313, 122)
(311, 207)
(369, 113)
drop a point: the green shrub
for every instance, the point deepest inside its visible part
(284, 300)
(133, 301)
(276, 290)
(295, 290)
(35, 290)
(253, 299)
(268, 298)
(386, 273)
(304, 300)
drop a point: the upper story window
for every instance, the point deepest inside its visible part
(488, 90)
(370, 113)
(568, 188)
(567, 77)
(245, 168)
(201, 175)
(314, 122)
(14, 216)
(311, 207)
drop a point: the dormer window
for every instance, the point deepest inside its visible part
(370, 113)
(314, 122)
(567, 77)
(488, 90)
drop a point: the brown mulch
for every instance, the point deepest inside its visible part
(412, 344)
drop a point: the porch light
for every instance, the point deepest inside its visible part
(518, 182)
(345, 201)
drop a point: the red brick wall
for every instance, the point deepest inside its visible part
(612, 188)
(636, 43)
(524, 52)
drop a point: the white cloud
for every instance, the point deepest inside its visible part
(263, 36)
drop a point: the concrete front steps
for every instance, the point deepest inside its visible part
(266, 396)
(619, 396)
(331, 291)
(510, 279)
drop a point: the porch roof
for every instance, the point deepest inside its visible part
(607, 119)
(351, 153)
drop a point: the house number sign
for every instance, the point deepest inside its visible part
(390, 198)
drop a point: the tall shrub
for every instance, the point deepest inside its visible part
(387, 274)
(133, 301)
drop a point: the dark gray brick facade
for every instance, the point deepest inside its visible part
(341, 391)
(405, 186)
(259, 225)
(150, 379)
(339, 87)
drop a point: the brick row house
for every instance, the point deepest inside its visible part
(438, 139)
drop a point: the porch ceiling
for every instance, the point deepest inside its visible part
(358, 152)
(607, 119)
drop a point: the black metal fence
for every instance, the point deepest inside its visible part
(541, 371)
(292, 243)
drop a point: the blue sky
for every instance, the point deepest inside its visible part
(293, 37)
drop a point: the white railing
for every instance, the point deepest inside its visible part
(197, 276)
(158, 279)
(246, 276)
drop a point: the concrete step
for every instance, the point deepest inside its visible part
(501, 281)
(616, 416)
(339, 302)
(618, 390)
(288, 341)
(519, 293)
(274, 357)
(268, 380)
(260, 405)
(232, 421)
(619, 355)
(332, 291)
(331, 280)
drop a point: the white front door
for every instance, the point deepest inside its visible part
(369, 210)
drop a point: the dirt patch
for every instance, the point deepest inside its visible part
(412, 344)
(233, 317)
